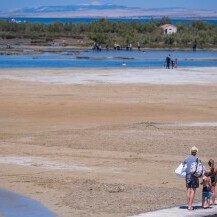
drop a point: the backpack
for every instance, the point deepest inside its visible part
(197, 169)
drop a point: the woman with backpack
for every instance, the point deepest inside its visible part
(192, 181)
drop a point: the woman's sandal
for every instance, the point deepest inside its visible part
(191, 208)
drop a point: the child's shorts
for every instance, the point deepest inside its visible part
(207, 195)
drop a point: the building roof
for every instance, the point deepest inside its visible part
(168, 25)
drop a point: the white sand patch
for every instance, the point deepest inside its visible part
(203, 75)
(53, 165)
(181, 124)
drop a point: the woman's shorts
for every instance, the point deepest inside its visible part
(192, 182)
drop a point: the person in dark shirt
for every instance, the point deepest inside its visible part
(167, 61)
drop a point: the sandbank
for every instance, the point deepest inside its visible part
(104, 142)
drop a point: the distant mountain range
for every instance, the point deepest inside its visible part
(105, 10)
(48, 9)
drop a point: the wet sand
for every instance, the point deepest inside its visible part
(92, 145)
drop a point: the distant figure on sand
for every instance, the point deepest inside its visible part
(97, 46)
(167, 61)
(194, 45)
(129, 47)
(172, 63)
(138, 46)
(117, 46)
(192, 182)
(206, 191)
(176, 63)
(213, 177)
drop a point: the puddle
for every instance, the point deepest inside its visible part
(16, 205)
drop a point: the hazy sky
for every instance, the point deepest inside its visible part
(192, 4)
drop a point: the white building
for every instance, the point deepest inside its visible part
(169, 29)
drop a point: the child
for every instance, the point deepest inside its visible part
(206, 193)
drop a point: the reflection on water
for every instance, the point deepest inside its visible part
(16, 205)
(109, 58)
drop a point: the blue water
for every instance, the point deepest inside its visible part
(110, 58)
(16, 205)
(88, 20)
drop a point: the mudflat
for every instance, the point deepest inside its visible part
(92, 146)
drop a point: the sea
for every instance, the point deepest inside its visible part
(88, 19)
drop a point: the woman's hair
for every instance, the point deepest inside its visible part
(211, 164)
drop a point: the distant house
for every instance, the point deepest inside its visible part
(169, 29)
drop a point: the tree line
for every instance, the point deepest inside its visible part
(107, 33)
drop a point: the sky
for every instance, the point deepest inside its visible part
(7, 5)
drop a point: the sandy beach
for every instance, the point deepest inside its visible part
(104, 142)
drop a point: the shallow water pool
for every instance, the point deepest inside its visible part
(111, 58)
(16, 205)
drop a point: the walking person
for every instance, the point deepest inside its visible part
(192, 182)
(167, 61)
(194, 47)
(213, 177)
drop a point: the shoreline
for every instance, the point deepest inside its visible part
(40, 49)
(19, 46)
